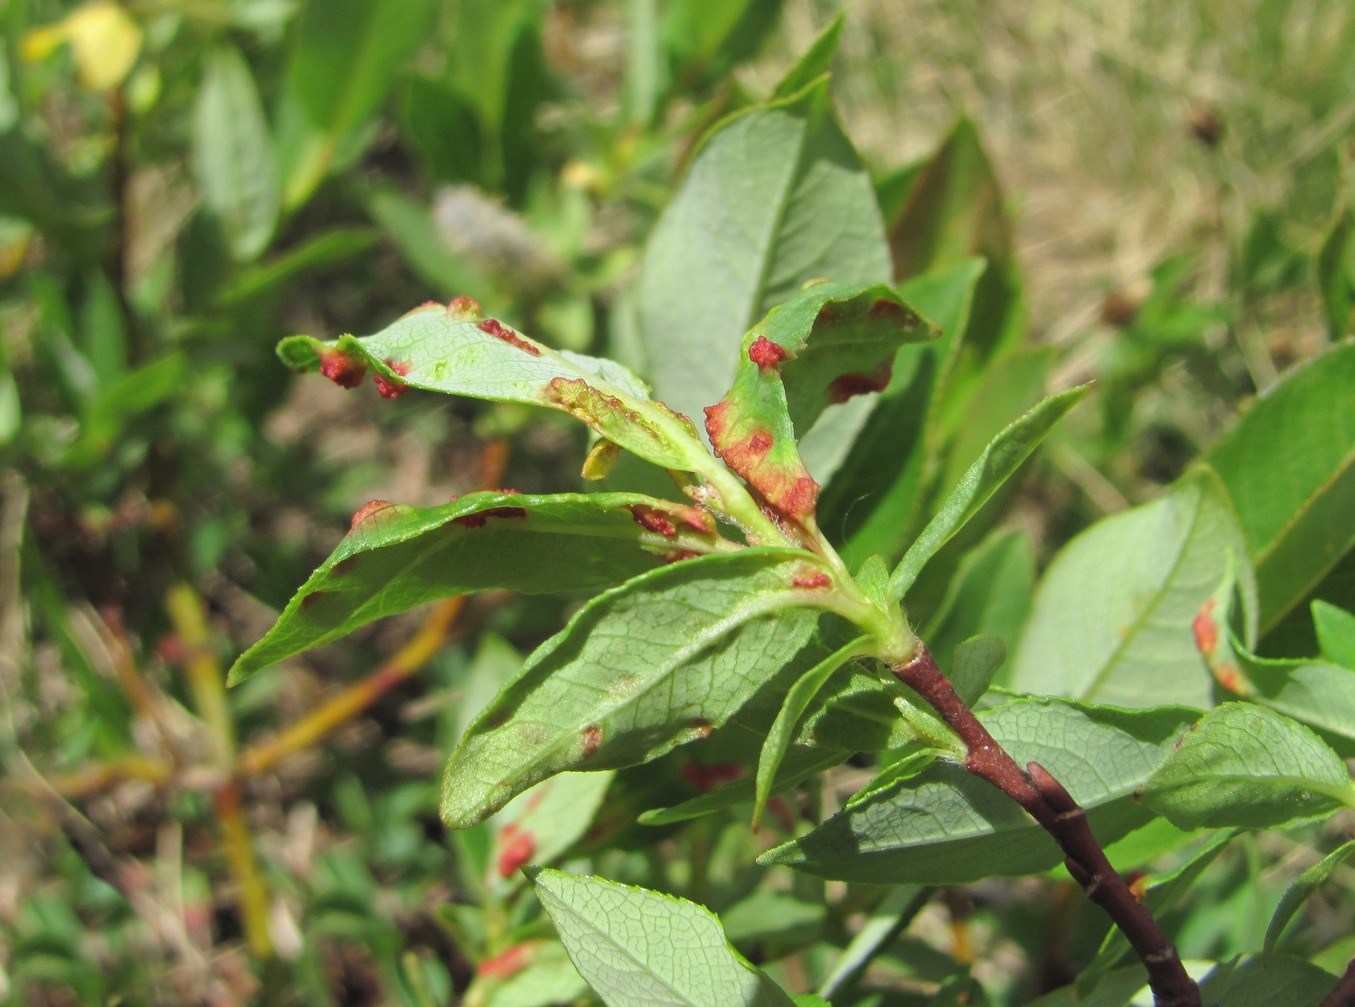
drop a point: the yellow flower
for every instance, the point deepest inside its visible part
(103, 38)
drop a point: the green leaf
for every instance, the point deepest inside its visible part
(1248, 766)
(946, 826)
(323, 250)
(411, 228)
(1335, 633)
(1111, 621)
(799, 764)
(1265, 981)
(976, 662)
(344, 61)
(885, 922)
(1289, 467)
(396, 557)
(635, 946)
(233, 153)
(662, 660)
(455, 350)
(531, 974)
(828, 343)
(775, 197)
(1304, 885)
(1336, 274)
(873, 494)
(797, 700)
(706, 39)
(999, 460)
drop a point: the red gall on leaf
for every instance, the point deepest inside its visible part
(344, 370)
(478, 520)
(500, 331)
(592, 740)
(846, 386)
(1205, 629)
(389, 387)
(508, 964)
(766, 354)
(465, 309)
(517, 846)
(812, 581)
(366, 512)
(653, 519)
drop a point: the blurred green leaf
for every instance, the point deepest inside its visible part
(988, 596)
(816, 61)
(1111, 621)
(706, 39)
(1249, 766)
(1264, 981)
(345, 57)
(946, 826)
(233, 154)
(599, 695)
(326, 249)
(1336, 274)
(396, 557)
(775, 197)
(1303, 886)
(1289, 468)
(636, 946)
(537, 826)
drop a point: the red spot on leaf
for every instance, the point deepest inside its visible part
(428, 304)
(765, 353)
(883, 308)
(679, 555)
(1205, 629)
(517, 846)
(699, 520)
(368, 511)
(390, 388)
(700, 727)
(845, 386)
(706, 778)
(506, 965)
(653, 519)
(343, 567)
(478, 519)
(464, 309)
(592, 740)
(813, 581)
(312, 599)
(500, 331)
(802, 497)
(345, 370)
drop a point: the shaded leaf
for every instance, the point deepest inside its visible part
(1289, 468)
(662, 660)
(636, 946)
(988, 596)
(1248, 766)
(946, 826)
(396, 557)
(1335, 633)
(1112, 618)
(797, 765)
(775, 197)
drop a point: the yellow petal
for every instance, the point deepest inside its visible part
(104, 40)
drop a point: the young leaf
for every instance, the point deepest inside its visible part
(1248, 766)
(455, 350)
(1289, 468)
(775, 197)
(828, 343)
(662, 660)
(946, 826)
(1304, 885)
(999, 460)
(797, 700)
(1127, 639)
(816, 61)
(233, 153)
(635, 946)
(395, 557)
(988, 596)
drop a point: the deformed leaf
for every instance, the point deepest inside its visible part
(946, 826)
(396, 557)
(995, 466)
(1112, 618)
(456, 350)
(828, 343)
(1247, 766)
(662, 660)
(636, 946)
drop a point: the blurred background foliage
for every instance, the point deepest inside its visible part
(182, 182)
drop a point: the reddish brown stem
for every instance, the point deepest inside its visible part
(1343, 994)
(1046, 800)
